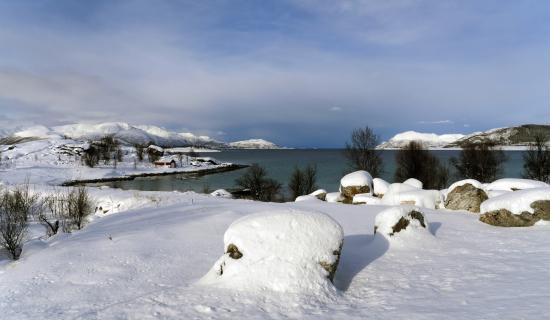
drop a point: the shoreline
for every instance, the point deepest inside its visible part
(201, 172)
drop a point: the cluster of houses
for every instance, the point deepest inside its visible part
(179, 159)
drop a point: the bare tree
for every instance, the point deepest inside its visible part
(361, 152)
(480, 161)
(536, 160)
(303, 182)
(414, 161)
(260, 187)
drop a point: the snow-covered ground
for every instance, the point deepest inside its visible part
(45, 162)
(145, 263)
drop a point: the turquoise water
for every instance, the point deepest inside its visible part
(331, 165)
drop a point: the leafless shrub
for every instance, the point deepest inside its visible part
(260, 187)
(480, 161)
(15, 208)
(414, 161)
(79, 207)
(303, 182)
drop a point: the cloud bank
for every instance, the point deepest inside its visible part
(300, 73)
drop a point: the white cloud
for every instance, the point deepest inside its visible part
(436, 122)
(335, 109)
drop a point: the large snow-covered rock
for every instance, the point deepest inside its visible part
(355, 183)
(287, 251)
(517, 209)
(472, 182)
(465, 197)
(516, 202)
(380, 186)
(402, 220)
(512, 184)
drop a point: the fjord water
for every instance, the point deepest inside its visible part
(331, 166)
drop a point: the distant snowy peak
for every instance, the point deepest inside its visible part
(429, 140)
(130, 135)
(253, 144)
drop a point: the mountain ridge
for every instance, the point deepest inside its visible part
(127, 134)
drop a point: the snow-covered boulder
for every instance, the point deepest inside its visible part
(355, 183)
(334, 197)
(380, 187)
(512, 184)
(366, 198)
(465, 196)
(321, 194)
(414, 182)
(402, 220)
(404, 194)
(517, 209)
(472, 182)
(286, 250)
(222, 193)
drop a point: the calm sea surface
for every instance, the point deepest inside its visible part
(279, 163)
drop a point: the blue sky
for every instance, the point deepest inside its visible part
(300, 73)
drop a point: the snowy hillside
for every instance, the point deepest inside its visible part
(512, 136)
(129, 135)
(430, 140)
(253, 144)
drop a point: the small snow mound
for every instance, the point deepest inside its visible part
(404, 194)
(365, 198)
(308, 197)
(380, 186)
(511, 184)
(414, 182)
(321, 194)
(285, 250)
(399, 221)
(222, 193)
(516, 202)
(334, 197)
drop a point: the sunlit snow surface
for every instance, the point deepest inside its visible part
(144, 264)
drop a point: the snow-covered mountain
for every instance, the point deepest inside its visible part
(429, 140)
(253, 144)
(129, 135)
(519, 136)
